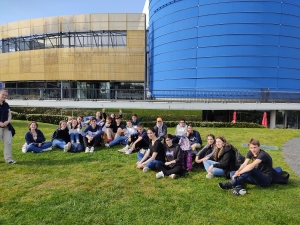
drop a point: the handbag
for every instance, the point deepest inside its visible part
(12, 129)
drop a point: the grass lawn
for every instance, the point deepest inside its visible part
(105, 188)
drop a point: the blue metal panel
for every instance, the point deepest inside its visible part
(224, 45)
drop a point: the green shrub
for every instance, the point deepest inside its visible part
(52, 119)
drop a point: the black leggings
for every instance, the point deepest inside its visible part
(177, 169)
(95, 142)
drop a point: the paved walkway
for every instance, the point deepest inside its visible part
(291, 153)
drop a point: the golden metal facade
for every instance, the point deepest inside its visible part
(88, 63)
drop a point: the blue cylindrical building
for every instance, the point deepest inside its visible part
(224, 45)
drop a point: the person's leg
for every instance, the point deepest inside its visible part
(119, 132)
(109, 133)
(141, 144)
(208, 163)
(96, 141)
(72, 138)
(7, 138)
(140, 156)
(252, 177)
(195, 146)
(177, 169)
(153, 163)
(85, 142)
(162, 167)
(77, 138)
(117, 140)
(59, 143)
(218, 172)
(45, 145)
(33, 148)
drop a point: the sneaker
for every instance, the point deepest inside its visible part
(225, 186)
(107, 145)
(24, 148)
(47, 149)
(12, 162)
(129, 151)
(92, 149)
(146, 169)
(87, 150)
(67, 147)
(238, 191)
(123, 149)
(159, 174)
(173, 176)
(209, 175)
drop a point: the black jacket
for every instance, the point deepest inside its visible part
(226, 160)
(173, 152)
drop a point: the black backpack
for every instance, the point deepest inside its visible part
(280, 176)
(239, 159)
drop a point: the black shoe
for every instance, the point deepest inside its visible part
(238, 191)
(12, 162)
(225, 186)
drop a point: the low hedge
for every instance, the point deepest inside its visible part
(54, 119)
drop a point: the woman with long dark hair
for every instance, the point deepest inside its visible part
(223, 160)
(206, 152)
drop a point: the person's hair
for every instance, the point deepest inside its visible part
(159, 118)
(190, 125)
(152, 129)
(93, 118)
(72, 124)
(112, 114)
(32, 123)
(60, 122)
(211, 135)
(109, 118)
(182, 120)
(219, 151)
(170, 136)
(80, 116)
(140, 126)
(128, 121)
(134, 115)
(254, 142)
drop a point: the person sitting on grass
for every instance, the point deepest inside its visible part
(74, 131)
(258, 172)
(135, 120)
(137, 140)
(180, 131)
(128, 131)
(223, 161)
(194, 138)
(61, 137)
(35, 140)
(154, 155)
(206, 152)
(92, 136)
(161, 129)
(173, 165)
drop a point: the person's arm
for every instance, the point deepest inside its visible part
(177, 156)
(154, 154)
(198, 138)
(140, 165)
(225, 161)
(28, 137)
(164, 130)
(5, 123)
(99, 132)
(246, 167)
(136, 141)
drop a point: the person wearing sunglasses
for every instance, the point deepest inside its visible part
(160, 128)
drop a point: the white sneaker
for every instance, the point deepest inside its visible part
(173, 176)
(47, 149)
(146, 169)
(209, 175)
(107, 145)
(123, 149)
(87, 150)
(24, 148)
(159, 174)
(92, 149)
(67, 147)
(129, 151)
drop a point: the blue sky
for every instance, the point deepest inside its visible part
(15, 10)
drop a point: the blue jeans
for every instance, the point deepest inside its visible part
(252, 177)
(121, 139)
(59, 143)
(151, 164)
(34, 148)
(215, 171)
(74, 137)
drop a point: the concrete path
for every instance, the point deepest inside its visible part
(291, 153)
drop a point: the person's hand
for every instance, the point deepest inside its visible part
(6, 123)
(140, 166)
(168, 163)
(2, 124)
(205, 158)
(210, 168)
(120, 111)
(132, 146)
(197, 160)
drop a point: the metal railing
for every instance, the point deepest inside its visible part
(84, 94)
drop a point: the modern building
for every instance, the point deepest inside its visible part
(79, 56)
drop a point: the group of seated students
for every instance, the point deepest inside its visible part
(158, 150)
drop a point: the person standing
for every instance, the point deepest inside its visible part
(5, 132)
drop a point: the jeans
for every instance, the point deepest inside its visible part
(74, 137)
(151, 164)
(215, 171)
(59, 143)
(34, 148)
(252, 177)
(121, 139)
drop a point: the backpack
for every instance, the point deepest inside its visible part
(187, 161)
(279, 176)
(239, 159)
(76, 147)
(184, 144)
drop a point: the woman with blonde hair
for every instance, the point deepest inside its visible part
(223, 160)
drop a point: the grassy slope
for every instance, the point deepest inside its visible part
(105, 188)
